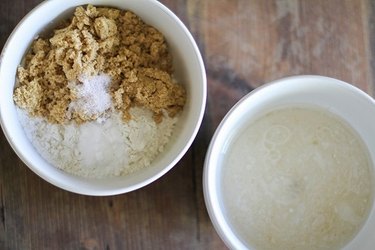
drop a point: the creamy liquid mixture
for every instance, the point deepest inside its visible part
(297, 178)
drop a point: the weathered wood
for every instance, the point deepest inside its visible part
(244, 44)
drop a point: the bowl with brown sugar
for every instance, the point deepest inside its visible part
(101, 97)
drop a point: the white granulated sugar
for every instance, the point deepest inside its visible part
(92, 95)
(98, 150)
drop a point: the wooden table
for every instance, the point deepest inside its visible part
(244, 44)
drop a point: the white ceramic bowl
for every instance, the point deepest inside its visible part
(347, 101)
(189, 70)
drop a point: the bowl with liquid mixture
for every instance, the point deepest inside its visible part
(188, 69)
(291, 166)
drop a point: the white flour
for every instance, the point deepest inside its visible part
(98, 150)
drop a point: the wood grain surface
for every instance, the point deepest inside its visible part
(245, 43)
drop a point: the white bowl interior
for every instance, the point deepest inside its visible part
(353, 105)
(189, 70)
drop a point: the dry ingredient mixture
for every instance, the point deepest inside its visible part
(103, 73)
(97, 150)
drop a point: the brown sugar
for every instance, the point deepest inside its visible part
(95, 41)
(152, 88)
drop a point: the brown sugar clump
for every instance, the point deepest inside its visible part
(99, 40)
(152, 88)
